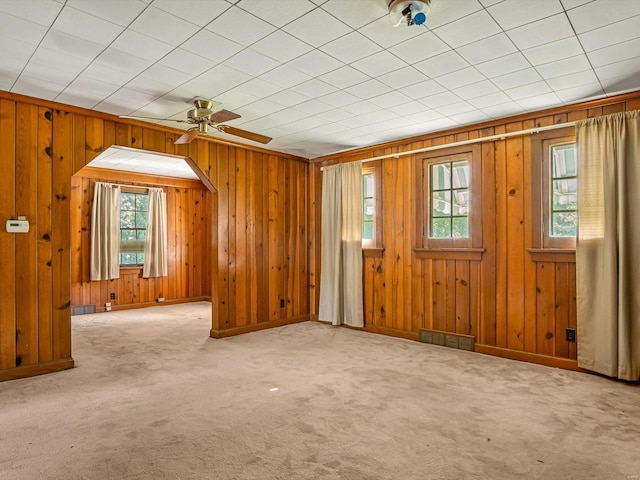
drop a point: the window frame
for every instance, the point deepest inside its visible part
(374, 168)
(541, 174)
(472, 153)
(137, 191)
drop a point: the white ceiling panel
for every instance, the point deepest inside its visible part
(295, 68)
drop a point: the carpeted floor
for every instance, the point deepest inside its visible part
(153, 397)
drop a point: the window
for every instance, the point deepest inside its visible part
(451, 197)
(555, 189)
(371, 210)
(134, 208)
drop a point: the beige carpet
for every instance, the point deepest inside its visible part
(153, 397)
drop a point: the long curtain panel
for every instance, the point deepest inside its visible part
(341, 246)
(105, 232)
(608, 250)
(155, 245)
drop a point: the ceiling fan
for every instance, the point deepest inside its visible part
(203, 117)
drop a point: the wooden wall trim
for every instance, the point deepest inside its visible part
(36, 369)
(547, 360)
(552, 255)
(230, 332)
(449, 253)
(391, 332)
(175, 301)
(117, 176)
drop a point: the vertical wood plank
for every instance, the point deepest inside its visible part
(573, 351)
(487, 330)
(545, 288)
(439, 294)
(462, 291)
(502, 245)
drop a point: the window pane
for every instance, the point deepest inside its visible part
(140, 258)
(127, 220)
(367, 185)
(440, 177)
(367, 231)
(461, 174)
(141, 219)
(564, 224)
(460, 227)
(128, 258)
(367, 214)
(564, 160)
(142, 202)
(441, 227)
(565, 194)
(460, 202)
(142, 234)
(441, 204)
(127, 201)
(127, 234)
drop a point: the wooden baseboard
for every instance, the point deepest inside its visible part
(392, 332)
(36, 369)
(175, 301)
(549, 361)
(230, 332)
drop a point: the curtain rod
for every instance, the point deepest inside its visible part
(500, 136)
(123, 185)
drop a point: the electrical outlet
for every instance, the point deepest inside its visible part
(112, 296)
(160, 299)
(571, 335)
(282, 303)
(107, 306)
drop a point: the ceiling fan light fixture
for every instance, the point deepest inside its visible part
(203, 127)
(409, 12)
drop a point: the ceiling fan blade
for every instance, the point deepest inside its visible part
(187, 137)
(223, 116)
(152, 118)
(256, 137)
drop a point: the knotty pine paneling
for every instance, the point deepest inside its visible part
(250, 258)
(513, 305)
(188, 235)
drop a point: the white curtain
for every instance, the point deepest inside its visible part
(155, 245)
(341, 296)
(608, 250)
(105, 232)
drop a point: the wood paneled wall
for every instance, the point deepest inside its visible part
(188, 235)
(258, 260)
(516, 302)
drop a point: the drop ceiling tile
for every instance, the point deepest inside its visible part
(517, 79)
(611, 34)
(213, 82)
(620, 84)
(490, 100)
(235, 98)
(141, 46)
(478, 89)
(419, 47)
(14, 51)
(186, 62)
(454, 108)
(579, 63)
(628, 68)
(467, 118)
(581, 93)
(209, 45)
(515, 13)
(440, 99)
(503, 110)
(550, 52)
(97, 88)
(158, 24)
(83, 25)
(488, 3)
(34, 87)
(503, 65)
(425, 116)
(351, 47)
(370, 88)
(107, 73)
(390, 99)
(441, 14)
(70, 45)
(379, 64)
(281, 46)
(386, 36)
(120, 13)
(423, 89)
(314, 107)
(313, 88)
(150, 85)
(487, 49)
(253, 63)
(569, 4)
(317, 28)
(402, 77)
(315, 63)
(362, 108)
(460, 78)
(344, 77)
(56, 75)
(339, 99)
(260, 108)
(541, 32)
(286, 116)
(442, 64)
(288, 98)
(168, 76)
(45, 58)
(42, 12)
(122, 61)
(336, 115)
(592, 16)
(285, 76)
(528, 91)
(615, 53)
(23, 30)
(260, 88)
(239, 26)
(539, 102)
(162, 108)
(468, 29)
(573, 80)
(307, 123)
(198, 12)
(408, 108)
(277, 13)
(356, 13)
(77, 97)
